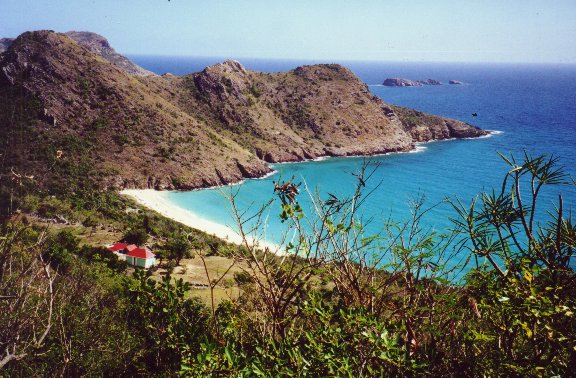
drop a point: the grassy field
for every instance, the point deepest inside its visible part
(200, 273)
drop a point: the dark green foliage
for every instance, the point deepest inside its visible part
(324, 340)
(60, 250)
(170, 324)
(178, 247)
(135, 235)
(343, 303)
(103, 255)
(55, 322)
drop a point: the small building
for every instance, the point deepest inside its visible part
(119, 249)
(141, 257)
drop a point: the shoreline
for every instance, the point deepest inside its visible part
(418, 147)
(157, 201)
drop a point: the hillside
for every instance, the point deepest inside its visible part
(73, 114)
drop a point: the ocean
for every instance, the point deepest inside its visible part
(532, 108)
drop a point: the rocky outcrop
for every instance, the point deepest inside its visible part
(305, 113)
(88, 123)
(5, 43)
(455, 82)
(397, 82)
(430, 82)
(99, 45)
(426, 127)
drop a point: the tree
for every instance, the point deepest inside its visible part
(61, 249)
(178, 247)
(136, 235)
(171, 324)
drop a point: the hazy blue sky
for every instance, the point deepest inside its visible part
(390, 30)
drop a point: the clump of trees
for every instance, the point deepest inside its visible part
(337, 302)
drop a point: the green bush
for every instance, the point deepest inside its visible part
(61, 250)
(170, 324)
(523, 281)
(135, 235)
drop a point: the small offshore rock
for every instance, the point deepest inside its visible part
(398, 82)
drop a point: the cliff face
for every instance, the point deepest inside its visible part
(73, 113)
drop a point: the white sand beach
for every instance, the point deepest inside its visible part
(157, 201)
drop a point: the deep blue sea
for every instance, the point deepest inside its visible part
(533, 107)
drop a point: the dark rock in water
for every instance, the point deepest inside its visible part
(430, 82)
(455, 82)
(397, 82)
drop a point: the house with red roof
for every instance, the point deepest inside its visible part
(141, 257)
(134, 255)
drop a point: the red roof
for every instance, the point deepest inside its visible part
(131, 247)
(143, 253)
(117, 247)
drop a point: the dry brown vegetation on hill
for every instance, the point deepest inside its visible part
(74, 117)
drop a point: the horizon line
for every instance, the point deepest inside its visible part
(336, 60)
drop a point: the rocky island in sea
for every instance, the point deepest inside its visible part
(398, 82)
(128, 128)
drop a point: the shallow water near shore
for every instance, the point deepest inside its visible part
(532, 106)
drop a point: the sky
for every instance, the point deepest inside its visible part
(529, 31)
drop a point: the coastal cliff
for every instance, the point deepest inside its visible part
(74, 113)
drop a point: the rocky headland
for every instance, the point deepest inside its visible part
(76, 114)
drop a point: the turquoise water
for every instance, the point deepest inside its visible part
(533, 107)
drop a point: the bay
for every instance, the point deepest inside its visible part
(533, 108)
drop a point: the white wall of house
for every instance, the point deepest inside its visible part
(121, 256)
(142, 263)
